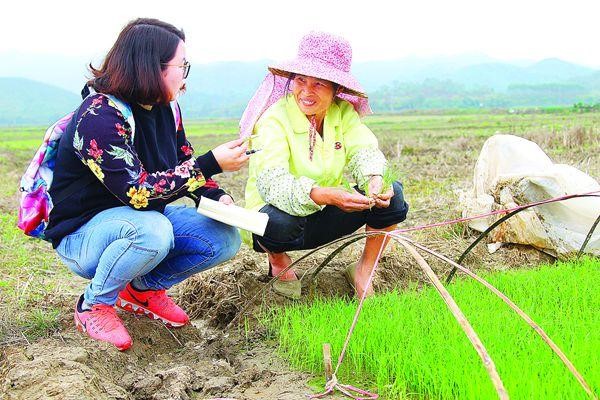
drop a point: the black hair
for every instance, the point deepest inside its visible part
(132, 68)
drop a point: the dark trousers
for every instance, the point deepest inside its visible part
(286, 232)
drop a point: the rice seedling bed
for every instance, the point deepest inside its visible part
(407, 344)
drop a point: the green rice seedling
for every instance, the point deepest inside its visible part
(390, 175)
(407, 344)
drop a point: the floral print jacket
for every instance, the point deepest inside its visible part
(112, 157)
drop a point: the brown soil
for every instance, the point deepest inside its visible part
(207, 360)
(196, 362)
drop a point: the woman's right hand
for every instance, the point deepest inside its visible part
(231, 156)
(347, 202)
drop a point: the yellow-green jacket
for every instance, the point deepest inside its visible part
(282, 174)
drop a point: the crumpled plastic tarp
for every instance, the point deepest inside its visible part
(513, 171)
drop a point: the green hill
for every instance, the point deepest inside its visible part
(222, 90)
(23, 101)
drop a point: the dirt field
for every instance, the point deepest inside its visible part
(43, 356)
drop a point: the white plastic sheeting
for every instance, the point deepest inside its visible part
(513, 171)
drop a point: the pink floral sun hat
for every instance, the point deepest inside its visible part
(320, 55)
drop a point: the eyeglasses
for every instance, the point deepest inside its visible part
(186, 67)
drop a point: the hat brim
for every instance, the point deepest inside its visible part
(321, 71)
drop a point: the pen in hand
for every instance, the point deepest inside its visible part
(248, 152)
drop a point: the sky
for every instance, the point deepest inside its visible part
(255, 30)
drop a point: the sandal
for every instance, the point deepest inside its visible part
(290, 289)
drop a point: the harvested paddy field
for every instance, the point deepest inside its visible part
(43, 356)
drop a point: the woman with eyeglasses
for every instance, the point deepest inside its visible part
(123, 158)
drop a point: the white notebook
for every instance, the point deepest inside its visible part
(253, 221)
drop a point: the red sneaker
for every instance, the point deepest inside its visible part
(154, 303)
(102, 323)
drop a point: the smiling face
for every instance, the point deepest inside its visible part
(313, 95)
(172, 74)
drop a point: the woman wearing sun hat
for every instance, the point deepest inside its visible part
(306, 120)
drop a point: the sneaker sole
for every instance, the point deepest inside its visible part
(137, 309)
(81, 328)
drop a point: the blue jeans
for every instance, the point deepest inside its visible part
(155, 250)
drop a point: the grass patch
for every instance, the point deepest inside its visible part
(33, 284)
(41, 322)
(408, 345)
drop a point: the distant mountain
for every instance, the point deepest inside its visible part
(443, 82)
(66, 72)
(555, 70)
(446, 94)
(242, 77)
(591, 81)
(227, 77)
(24, 102)
(375, 74)
(494, 75)
(223, 89)
(500, 76)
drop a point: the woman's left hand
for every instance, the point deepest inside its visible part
(375, 185)
(226, 199)
(383, 200)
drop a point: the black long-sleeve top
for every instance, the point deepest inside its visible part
(145, 173)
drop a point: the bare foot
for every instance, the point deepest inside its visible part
(279, 261)
(361, 277)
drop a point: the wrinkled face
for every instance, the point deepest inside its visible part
(173, 72)
(313, 95)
